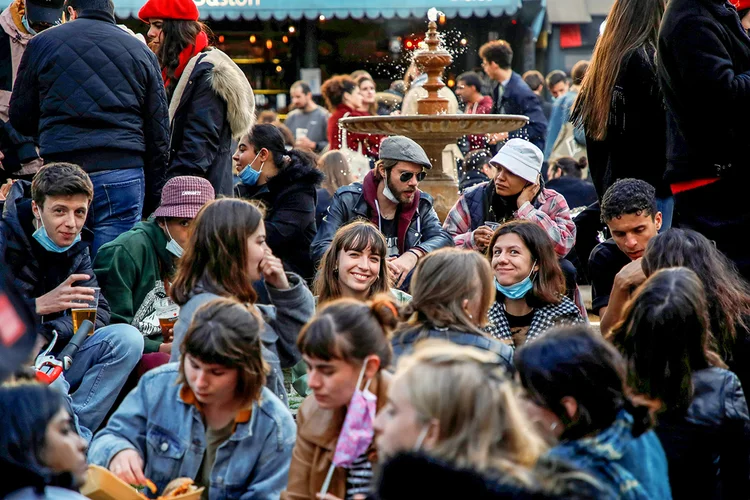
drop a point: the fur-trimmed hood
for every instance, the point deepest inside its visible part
(229, 83)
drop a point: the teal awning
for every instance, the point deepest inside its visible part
(312, 9)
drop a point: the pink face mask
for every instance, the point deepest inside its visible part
(357, 431)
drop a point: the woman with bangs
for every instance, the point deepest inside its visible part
(452, 294)
(208, 418)
(226, 254)
(346, 349)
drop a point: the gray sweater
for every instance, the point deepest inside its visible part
(316, 123)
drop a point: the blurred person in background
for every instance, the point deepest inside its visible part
(566, 176)
(559, 128)
(308, 122)
(535, 80)
(336, 171)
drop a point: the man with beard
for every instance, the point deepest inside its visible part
(390, 198)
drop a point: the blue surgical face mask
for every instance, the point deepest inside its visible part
(172, 246)
(249, 176)
(25, 22)
(43, 238)
(517, 290)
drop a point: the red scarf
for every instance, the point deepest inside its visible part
(201, 42)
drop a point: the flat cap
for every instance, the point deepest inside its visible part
(400, 148)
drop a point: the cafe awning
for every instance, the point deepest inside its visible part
(312, 9)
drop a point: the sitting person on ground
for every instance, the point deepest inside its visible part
(42, 456)
(226, 254)
(136, 269)
(727, 293)
(476, 169)
(452, 292)
(566, 176)
(702, 413)
(335, 169)
(578, 397)
(346, 349)
(628, 209)
(530, 285)
(389, 196)
(286, 182)
(208, 417)
(516, 192)
(45, 246)
(453, 408)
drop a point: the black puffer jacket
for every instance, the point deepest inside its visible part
(95, 97)
(36, 271)
(290, 198)
(212, 103)
(704, 68)
(708, 449)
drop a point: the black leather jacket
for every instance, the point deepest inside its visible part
(708, 447)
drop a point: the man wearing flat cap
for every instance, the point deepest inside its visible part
(390, 198)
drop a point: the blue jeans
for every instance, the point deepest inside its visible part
(100, 370)
(666, 207)
(117, 205)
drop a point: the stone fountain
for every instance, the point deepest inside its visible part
(432, 127)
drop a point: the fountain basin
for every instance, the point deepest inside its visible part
(433, 133)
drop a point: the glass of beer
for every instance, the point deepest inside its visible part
(167, 313)
(86, 310)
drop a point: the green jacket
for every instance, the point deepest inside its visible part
(130, 271)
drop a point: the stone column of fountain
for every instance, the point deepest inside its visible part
(432, 128)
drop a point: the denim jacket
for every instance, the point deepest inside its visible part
(169, 434)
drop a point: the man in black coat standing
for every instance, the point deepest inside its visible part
(95, 97)
(704, 52)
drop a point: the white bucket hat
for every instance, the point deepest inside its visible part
(521, 158)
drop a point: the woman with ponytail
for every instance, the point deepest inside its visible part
(345, 347)
(210, 100)
(575, 384)
(568, 176)
(703, 419)
(286, 182)
(452, 291)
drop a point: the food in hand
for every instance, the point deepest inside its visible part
(177, 487)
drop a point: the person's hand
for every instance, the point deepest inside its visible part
(482, 236)
(499, 137)
(305, 142)
(401, 266)
(62, 297)
(528, 194)
(166, 347)
(169, 335)
(631, 276)
(272, 271)
(128, 466)
(5, 189)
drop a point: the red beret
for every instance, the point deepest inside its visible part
(741, 4)
(169, 9)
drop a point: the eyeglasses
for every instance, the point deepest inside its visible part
(406, 176)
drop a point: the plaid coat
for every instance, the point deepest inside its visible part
(564, 313)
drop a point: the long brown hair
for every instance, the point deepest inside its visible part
(178, 34)
(335, 167)
(216, 257)
(549, 285)
(356, 236)
(631, 24)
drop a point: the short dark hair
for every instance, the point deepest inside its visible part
(60, 179)
(533, 79)
(476, 159)
(79, 5)
(302, 85)
(227, 333)
(570, 167)
(555, 77)
(471, 79)
(576, 362)
(497, 51)
(628, 196)
(579, 72)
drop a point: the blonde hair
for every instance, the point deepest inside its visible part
(335, 167)
(482, 424)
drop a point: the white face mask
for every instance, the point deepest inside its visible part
(172, 246)
(389, 194)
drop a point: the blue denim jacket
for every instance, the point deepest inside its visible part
(170, 436)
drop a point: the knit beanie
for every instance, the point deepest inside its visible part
(169, 9)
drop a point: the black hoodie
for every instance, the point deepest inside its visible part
(290, 198)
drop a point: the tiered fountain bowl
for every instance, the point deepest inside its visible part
(432, 127)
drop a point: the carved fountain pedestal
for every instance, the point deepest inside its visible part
(432, 128)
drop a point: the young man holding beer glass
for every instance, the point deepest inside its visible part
(135, 270)
(46, 248)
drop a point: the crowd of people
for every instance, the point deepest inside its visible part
(278, 312)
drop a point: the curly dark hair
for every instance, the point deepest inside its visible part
(334, 88)
(628, 196)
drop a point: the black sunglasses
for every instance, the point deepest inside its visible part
(406, 176)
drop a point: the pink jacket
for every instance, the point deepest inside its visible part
(18, 41)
